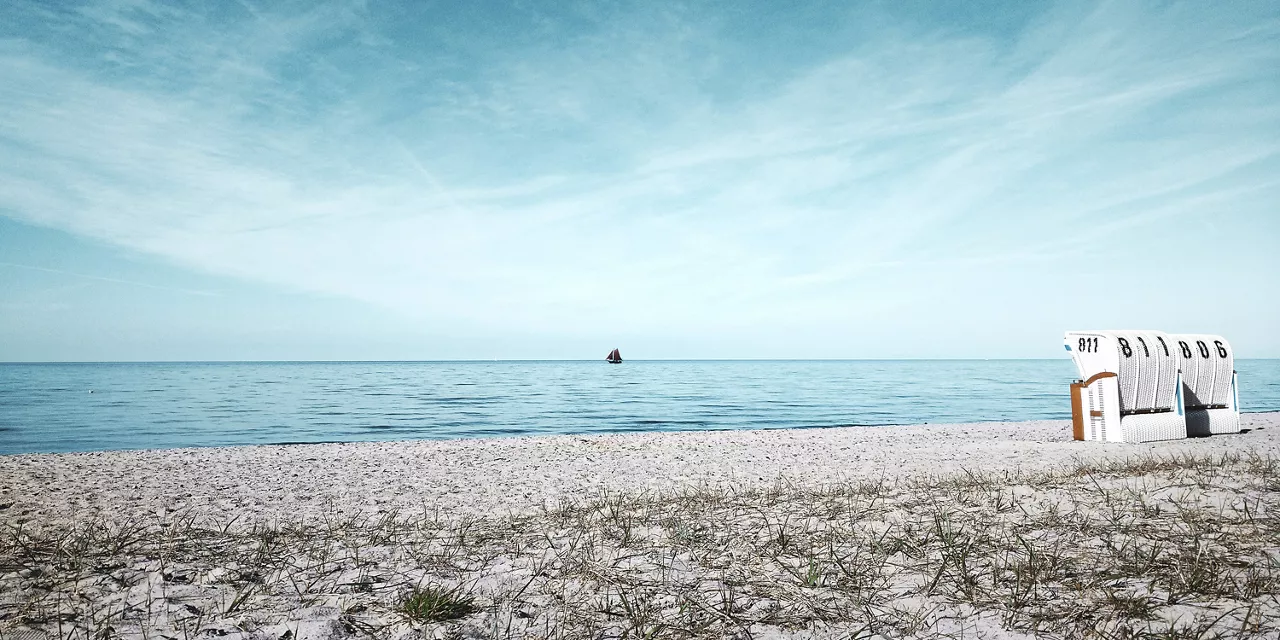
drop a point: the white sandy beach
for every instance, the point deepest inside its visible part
(523, 491)
(517, 474)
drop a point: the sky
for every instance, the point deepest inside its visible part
(474, 180)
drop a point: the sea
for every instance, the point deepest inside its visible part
(108, 406)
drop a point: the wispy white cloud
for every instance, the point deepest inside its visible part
(608, 178)
(97, 278)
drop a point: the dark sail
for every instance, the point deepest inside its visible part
(614, 357)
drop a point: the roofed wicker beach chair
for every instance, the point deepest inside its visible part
(1130, 388)
(1209, 382)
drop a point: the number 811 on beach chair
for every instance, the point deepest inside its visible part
(1142, 386)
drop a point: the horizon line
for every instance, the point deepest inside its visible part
(490, 360)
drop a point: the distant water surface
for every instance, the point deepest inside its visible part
(87, 407)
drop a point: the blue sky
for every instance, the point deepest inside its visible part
(417, 180)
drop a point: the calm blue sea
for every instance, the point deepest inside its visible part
(86, 407)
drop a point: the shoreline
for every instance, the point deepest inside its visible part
(523, 473)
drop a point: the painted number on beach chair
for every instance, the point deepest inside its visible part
(1088, 345)
(1203, 348)
(1124, 346)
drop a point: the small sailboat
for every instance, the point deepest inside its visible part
(614, 357)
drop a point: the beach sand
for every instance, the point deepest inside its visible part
(525, 500)
(518, 474)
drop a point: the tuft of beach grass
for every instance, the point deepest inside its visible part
(434, 603)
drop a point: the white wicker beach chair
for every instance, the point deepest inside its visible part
(1209, 383)
(1130, 387)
